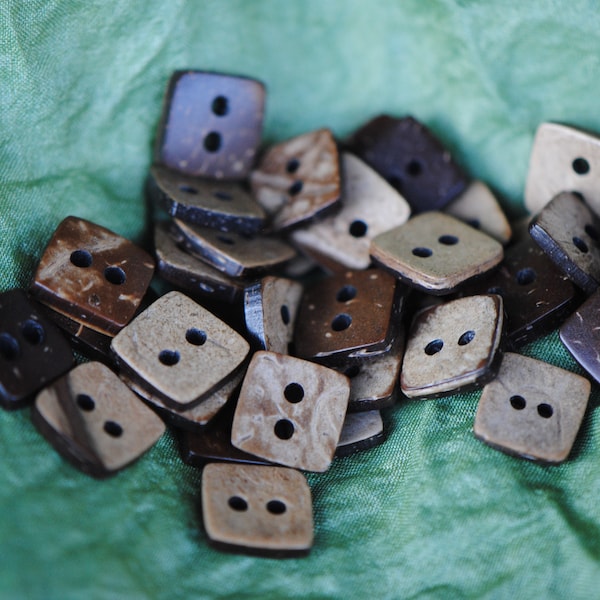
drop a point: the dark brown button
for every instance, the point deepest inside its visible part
(213, 443)
(33, 352)
(222, 205)
(569, 233)
(580, 333)
(92, 275)
(298, 179)
(412, 159)
(537, 296)
(211, 124)
(351, 315)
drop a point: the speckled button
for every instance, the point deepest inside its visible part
(532, 409)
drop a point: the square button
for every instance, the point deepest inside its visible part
(179, 350)
(257, 509)
(532, 409)
(92, 275)
(453, 346)
(92, 418)
(290, 411)
(435, 252)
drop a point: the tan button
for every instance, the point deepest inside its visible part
(563, 159)
(349, 315)
(361, 431)
(435, 252)
(180, 350)
(256, 509)
(270, 308)
(290, 411)
(223, 205)
(234, 254)
(532, 409)
(478, 207)
(298, 179)
(370, 206)
(90, 416)
(569, 233)
(453, 346)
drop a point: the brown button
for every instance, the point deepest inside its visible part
(223, 205)
(412, 159)
(537, 296)
(361, 431)
(569, 233)
(211, 124)
(93, 419)
(435, 252)
(532, 409)
(33, 352)
(92, 275)
(257, 510)
(290, 411)
(453, 346)
(299, 179)
(352, 315)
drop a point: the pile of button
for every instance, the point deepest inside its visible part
(307, 299)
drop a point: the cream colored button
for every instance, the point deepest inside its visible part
(478, 207)
(532, 409)
(256, 509)
(179, 349)
(298, 179)
(93, 417)
(563, 159)
(435, 252)
(290, 411)
(452, 346)
(370, 206)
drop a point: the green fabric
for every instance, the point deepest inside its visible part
(433, 513)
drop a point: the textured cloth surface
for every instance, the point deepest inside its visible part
(432, 513)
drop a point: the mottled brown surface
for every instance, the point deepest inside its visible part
(83, 292)
(446, 265)
(254, 528)
(524, 431)
(82, 426)
(200, 368)
(458, 364)
(298, 179)
(198, 104)
(372, 296)
(314, 421)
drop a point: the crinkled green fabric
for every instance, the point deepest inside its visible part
(432, 513)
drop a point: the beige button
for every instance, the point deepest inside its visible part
(532, 409)
(370, 206)
(270, 308)
(179, 349)
(298, 179)
(435, 252)
(290, 411)
(478, 207)
(452, 347)
(563, 159)
(257, 509)
(361, 431)
(234, 254)
(93, 418)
